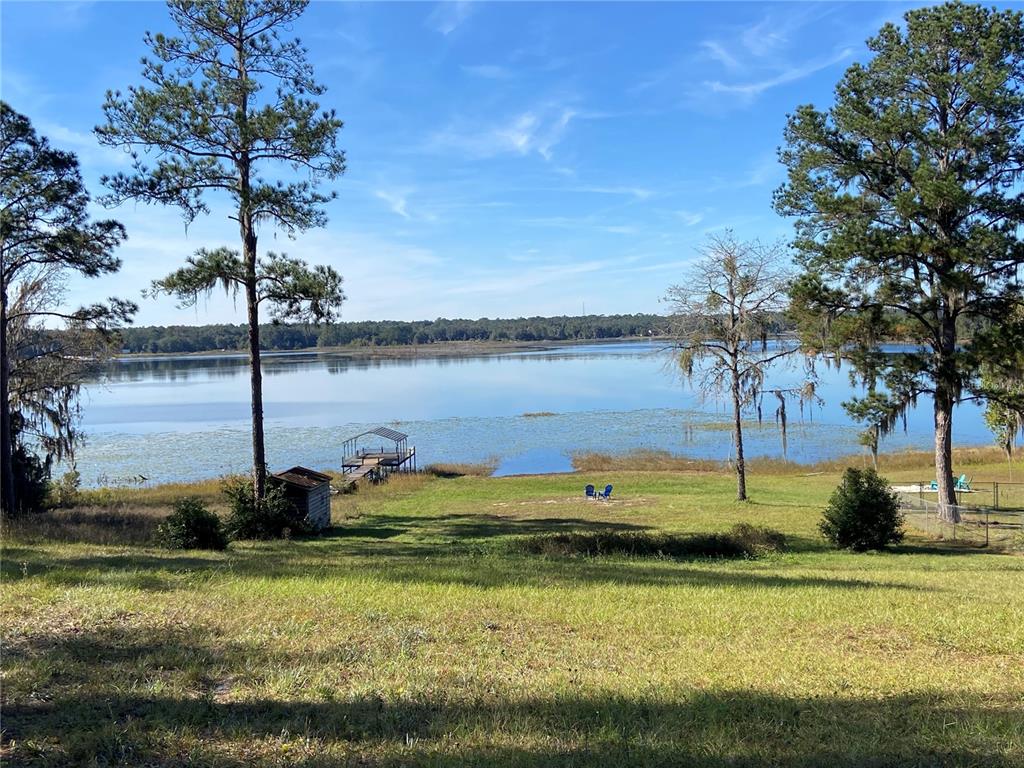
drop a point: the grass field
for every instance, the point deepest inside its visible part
(413, 633)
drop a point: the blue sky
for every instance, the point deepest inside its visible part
(504, 159)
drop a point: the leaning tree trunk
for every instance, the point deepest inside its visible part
(8, 500)
(737, 433)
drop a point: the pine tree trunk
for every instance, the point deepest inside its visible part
(945, 398)
(248, 232)
(944, 456)
(8, 500)
(259, 458)
(741, 469)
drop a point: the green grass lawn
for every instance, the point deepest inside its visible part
(414, 634)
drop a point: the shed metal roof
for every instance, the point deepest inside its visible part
(302, 477)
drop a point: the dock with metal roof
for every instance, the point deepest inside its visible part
(376, 453)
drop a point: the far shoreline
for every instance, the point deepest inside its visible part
(398, 351)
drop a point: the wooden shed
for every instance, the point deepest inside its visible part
(310, 492)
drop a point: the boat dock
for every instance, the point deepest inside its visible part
(373, 463)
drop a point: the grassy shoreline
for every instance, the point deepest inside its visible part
(424, 629)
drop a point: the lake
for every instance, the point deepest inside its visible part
(187, 418)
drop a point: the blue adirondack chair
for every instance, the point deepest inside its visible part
(589, 492)
(606, 494)
(962, 483)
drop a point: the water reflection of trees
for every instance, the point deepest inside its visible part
(184, 368)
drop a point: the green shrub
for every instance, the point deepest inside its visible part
(275, 518)
(863, 513)
(64, 492)
(743, 540)
(192, 526)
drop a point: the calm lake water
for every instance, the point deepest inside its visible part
(187, 418)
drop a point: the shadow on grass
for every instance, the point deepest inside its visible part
(89, 714)
(487, 526)
(460, 549)
(463, 568)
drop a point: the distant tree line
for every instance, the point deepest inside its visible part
(386, 333)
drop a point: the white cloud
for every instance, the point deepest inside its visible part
(537, 130)
(449, 16)
(791, 74)
(690, 218)
(752, 58)
(717, 51)
(396, 201)
(85, 146)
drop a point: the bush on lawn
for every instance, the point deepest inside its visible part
(275, 518)
(192, 526)
(863, 513)
(743, 540)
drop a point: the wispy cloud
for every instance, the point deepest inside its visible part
(449, 16)
(85, 146)
(23, 92)
(764, 171)
(690, 218)
(535, 131)
(396, 201)
(489, 71)
(717, 52)
(751, 89)
(640, 193)
(508, 283)
(581, 223)
(751, 58)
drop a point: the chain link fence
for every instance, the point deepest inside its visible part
(991, 514)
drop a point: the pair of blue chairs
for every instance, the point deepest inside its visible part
(593, 494)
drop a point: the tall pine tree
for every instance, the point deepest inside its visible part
(908, 204)
(226, 102)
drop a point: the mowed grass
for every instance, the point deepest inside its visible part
(415, 633)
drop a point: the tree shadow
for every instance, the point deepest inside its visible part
(415, 563)
(89, 716)
(461, 549)
(490, 526)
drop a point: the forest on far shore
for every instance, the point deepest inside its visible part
(206, 338)
(177, 339)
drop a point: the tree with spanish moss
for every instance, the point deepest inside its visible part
(45, 235)
(907, 198)
(721, 319)
(228, 102)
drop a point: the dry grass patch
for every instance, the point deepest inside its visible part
(643, 460)
(451, 470)
(648, 460)
(115, 525)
